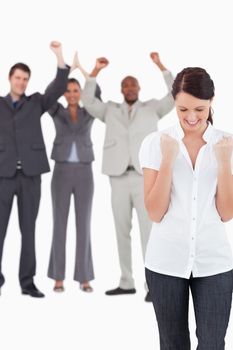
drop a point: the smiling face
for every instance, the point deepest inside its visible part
(18, 83)
(130, 89)
(192, 112)
(72, 94)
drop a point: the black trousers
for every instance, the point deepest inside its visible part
(212, 298)
(27, 191)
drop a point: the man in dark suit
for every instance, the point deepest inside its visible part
(23, 159)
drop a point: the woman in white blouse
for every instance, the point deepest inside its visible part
(188, 187)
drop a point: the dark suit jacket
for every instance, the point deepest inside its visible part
(68, 132)
(20, 129)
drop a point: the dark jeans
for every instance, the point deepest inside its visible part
(27, 191)
(212, 304)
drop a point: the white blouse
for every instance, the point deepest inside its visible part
(191, 237)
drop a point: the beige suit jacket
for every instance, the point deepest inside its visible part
(125, 134)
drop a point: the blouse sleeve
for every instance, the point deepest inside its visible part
(150, 153)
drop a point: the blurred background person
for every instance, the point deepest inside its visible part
(73, 155)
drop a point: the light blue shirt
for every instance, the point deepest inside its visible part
(73, 156)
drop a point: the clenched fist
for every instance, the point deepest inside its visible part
(101, 63)
(169, 148)
(55, 46)
(223, 150)
(155, 57)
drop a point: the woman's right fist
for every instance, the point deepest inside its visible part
(169, 148)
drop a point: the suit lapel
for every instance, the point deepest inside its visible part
(135, 108)
(68, 118)
(128, 119)
(21, 102)
(124, 115)
(9, 102)
(78, 124)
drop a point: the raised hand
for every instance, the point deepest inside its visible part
(56, 47)
(101, 63)
(156, 59)
(76, 64)
(223, 150)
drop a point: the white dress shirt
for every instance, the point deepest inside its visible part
(191, 237)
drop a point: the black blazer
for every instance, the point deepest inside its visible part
(20, 129)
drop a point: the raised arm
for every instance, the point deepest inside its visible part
(56, 48)
(93, 105)
(58, 85)
(100, 63)
(224, 197)
(157, 184)
(55, 109)
(166, 104)
(98, 66)
(156, 59)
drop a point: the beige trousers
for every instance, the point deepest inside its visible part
(127, 193)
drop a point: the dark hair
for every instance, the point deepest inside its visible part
(21, 66)
(196, 82)
(73, 80)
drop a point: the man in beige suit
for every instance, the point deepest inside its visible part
(126, 126)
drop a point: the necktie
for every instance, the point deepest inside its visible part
(130, 111)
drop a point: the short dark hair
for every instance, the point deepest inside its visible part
(196, 82)
(73, 80)
(21, 66)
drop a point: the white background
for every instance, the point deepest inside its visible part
(185, 33)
